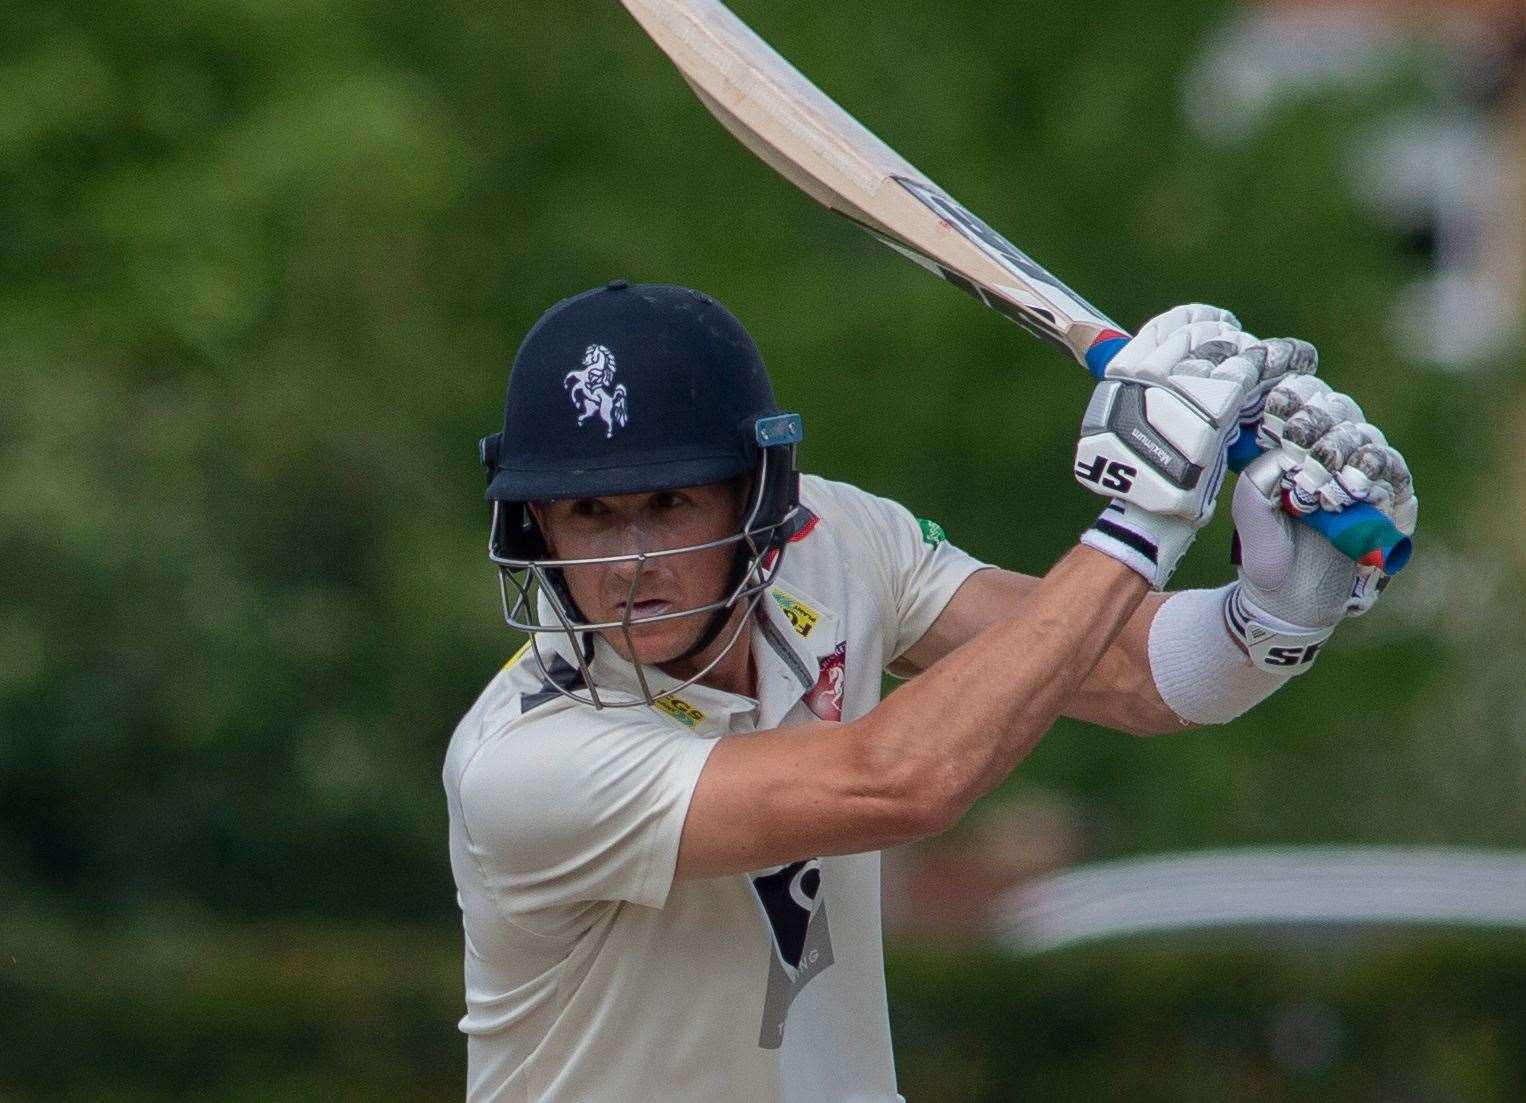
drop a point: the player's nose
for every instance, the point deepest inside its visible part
(644, 576)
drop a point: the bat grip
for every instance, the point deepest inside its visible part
(1361, 532)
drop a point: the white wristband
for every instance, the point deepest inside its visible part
(1149, 543)
(1199, 671)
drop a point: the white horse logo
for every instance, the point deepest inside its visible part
(591, 393)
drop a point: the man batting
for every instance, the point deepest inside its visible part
(666, 812)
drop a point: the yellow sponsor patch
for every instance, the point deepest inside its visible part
(680, 710)
(802, 617)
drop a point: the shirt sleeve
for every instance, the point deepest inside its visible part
(919, 569)
(573, 809)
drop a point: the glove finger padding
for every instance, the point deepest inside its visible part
(1283, 401)
(1365, 469)
(1377, 474)
(1163, 325)
(1277, 360)
(1288, 356)
(1280, 358)
(1315, 418)
(1350, 463)
(1213, 341)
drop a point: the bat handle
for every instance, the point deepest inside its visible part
(1099, 354)
(1361, 532)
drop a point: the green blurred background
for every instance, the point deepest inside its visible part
(263, 267)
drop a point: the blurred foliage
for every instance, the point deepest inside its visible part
(169, 1006)
(1434, 1018)
(263, 267)
(175, 1008)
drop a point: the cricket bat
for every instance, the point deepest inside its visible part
(801, 133)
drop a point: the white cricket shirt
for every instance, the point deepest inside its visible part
(591, 975)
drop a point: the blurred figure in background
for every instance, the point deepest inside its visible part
(1449, 177)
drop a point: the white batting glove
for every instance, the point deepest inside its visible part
(1295, 587)
(1159, 426)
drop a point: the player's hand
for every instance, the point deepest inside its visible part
(1295, 586)
(1157, 431)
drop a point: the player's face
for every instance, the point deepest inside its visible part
(619, 525)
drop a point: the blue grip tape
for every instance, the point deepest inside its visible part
(1243, 451)
(1363, 533)
(1103, 349)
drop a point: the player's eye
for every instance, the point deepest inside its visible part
(667, 499)
(589, 507)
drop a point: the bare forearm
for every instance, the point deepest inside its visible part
(1118, 693)
(974, 714)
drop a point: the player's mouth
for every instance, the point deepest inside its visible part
(647, 607)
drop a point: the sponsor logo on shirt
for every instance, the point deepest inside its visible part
(825, 697)
(802, 617)
(932, 532)
(792, 904)
(680, 710)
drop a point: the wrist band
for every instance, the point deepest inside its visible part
(1146, 542)
(1199, 670)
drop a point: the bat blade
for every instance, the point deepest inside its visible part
(801, 133)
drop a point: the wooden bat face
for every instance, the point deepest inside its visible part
(808, 139)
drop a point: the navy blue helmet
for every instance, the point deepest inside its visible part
(633, 388)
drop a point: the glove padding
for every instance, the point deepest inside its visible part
(1160, 423)
(1295, 586)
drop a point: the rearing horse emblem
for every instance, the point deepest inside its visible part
(592, 394)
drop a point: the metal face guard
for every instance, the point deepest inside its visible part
(529, 578)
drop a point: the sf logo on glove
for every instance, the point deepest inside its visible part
(1113, 475)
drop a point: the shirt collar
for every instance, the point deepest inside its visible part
(792, 633)
(698, 708)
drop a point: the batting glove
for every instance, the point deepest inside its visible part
(1158, 430)
(1294, 586)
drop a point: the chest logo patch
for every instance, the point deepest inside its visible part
(802, 618)
(594, 391)
(792, 903)
(824, 699)
(680, 710)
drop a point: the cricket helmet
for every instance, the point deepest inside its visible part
(625, 389)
